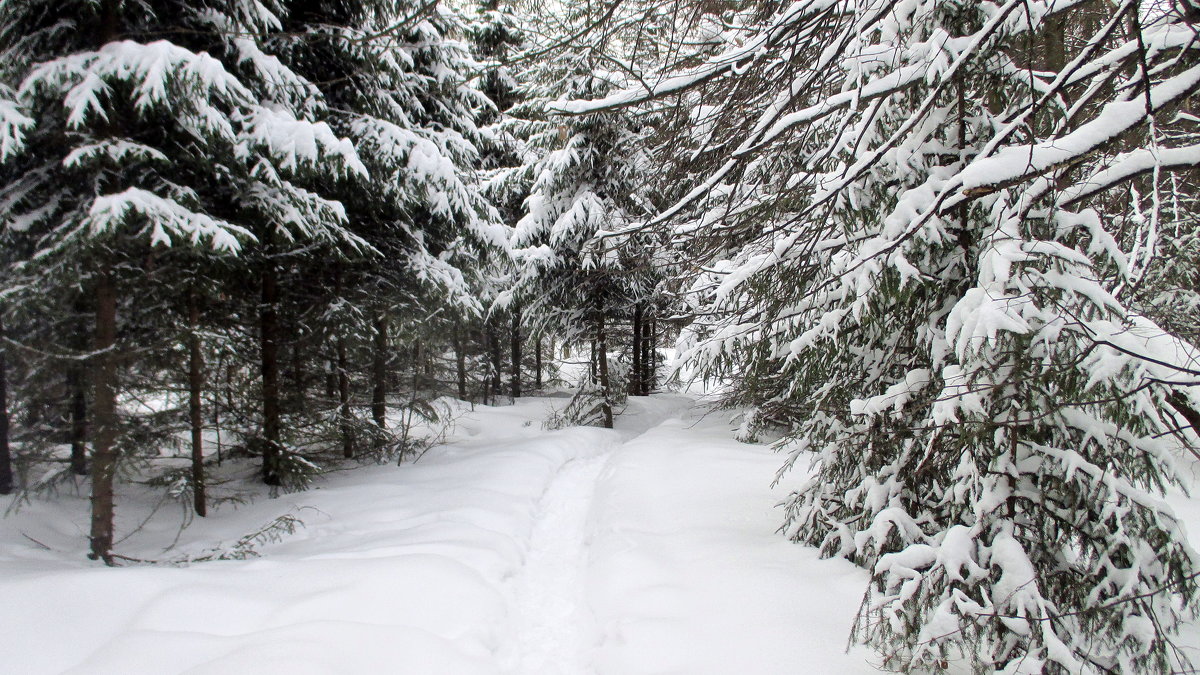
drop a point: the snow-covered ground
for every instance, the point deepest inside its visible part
(510, 549)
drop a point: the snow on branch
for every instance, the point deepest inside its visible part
(1015, 164)
(166, 219)
(298, 144)
(1129, 165)
(13, 125)
(115, 150)
(735, 58)
(158, 71)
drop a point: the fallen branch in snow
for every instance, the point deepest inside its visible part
(242, 549)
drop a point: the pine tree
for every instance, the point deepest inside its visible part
(575, 276)
(131, 148)
(396, 76)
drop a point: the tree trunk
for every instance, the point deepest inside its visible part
(427, 362)
(6, 471)
(77, 388)
(216, 408)
(592, 363)
(104, 416)
(195, 385)
(1054, 41)
(650, 360)
(537, 364)
(637, 376)
(269, 363)
(340, 376)
(416, 372)
(343, 387)
(602, 367)
(299, 374)
(380, 372)
(104, 374)
(230, 371)
(460, 363)
(515, 342)
(1183, 406)
(487, 380)
(493, 337)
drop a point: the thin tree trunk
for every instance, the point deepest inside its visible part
(515, 342)
(104, 416)
(592, 362)
(77, 387)
(487, 380)
(79, 422)
(343, 387)
(340, 371)
(6, 471)
(269, 363)
(379, 372)
(195, 385)
(230, 370)
(299, 375)
(427, 362)
(216, 396)
(330, 378)
(497, 364)
(650, 361)
(216, 408)
(637, 377)
(537, 364)
(416, 371)
(460, 363)
(602, 366)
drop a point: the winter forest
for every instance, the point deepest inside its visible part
(599, 336)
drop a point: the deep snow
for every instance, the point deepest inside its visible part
(509, 549)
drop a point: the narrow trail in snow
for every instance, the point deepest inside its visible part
(554, 631)
(553, 627)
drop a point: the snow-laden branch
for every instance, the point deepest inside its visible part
(166, 218)
(1015, 164)
(297, 143)
(13, 126)
(1129, 165)
(153, 69)
(722, 64)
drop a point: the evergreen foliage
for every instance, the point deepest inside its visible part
(947, 250)
(917, 268)
(196, 151)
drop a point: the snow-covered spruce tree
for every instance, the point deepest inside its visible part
(582, 186)
(496, 34)
(126, 148)
(586, 178)
(300, 249)
(918, 268)
(395, 77)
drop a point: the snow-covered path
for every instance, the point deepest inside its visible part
(510, 550)
(553, 625)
